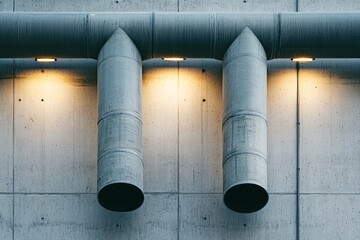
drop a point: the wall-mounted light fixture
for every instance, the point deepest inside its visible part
(174, 59)
(45, 59)
(302, 59)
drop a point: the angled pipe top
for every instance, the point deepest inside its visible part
(191, 35)
(120, 157)
(244, 124)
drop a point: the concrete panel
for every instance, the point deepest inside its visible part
(55, 126)
(329, 5)
(6, 216)
(204, 216)
(160, 126)
(6, 125)
(6, 5)
(330, 217)
(96, 5)
(200, 126)
(237, 6)
(281, 126)
(330, 126)
(80, 217)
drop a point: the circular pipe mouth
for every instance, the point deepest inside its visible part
(246, 198)
(120, 197)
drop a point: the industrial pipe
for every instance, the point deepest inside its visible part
(120, 158)
(118, 39)
(191, 35)
(244, 124)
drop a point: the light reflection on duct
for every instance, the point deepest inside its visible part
(160, 121)
(49, 122)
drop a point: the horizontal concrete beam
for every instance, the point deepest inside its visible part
(191, 35)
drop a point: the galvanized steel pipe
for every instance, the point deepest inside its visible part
(191, 35)
(120, 158)
(244, 124)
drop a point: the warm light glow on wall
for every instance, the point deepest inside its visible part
(174, 59)
(302, 59)
(45, 59)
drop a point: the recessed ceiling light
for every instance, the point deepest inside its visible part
(302, 59)
(174, 59)
(45, 59)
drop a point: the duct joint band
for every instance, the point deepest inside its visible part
(121, 150)
(122, 57)
(134, 115)
(237, 153)
(228, 61)
(243, 113)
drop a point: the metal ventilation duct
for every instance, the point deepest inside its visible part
(244, 124)
(191, 35)
(120, 158)
(118, 40)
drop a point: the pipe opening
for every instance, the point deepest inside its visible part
(120, 197)
(246, 198)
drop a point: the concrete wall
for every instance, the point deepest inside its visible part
(48, 117)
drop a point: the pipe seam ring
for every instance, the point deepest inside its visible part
(100, 62)
(121, 150)
(237, 153)
(256, 56)
(132, 114)
(243, 113)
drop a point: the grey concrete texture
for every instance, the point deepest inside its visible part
(55, 116)
(330, 126)
(79, 216)
(330, 216)
(6, 125)
(6, 5)
(281, 79)
(200, 131)
(237, 6)
(6, 216)
(160, 125)
(97, 5)
(204, 216)
(179, 5)
(329, 6)
(281, 103)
